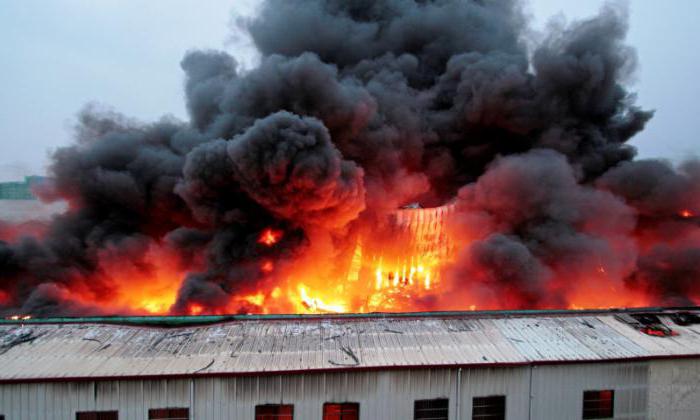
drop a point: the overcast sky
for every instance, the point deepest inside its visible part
(58, 55)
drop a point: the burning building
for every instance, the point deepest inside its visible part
(545, 365)
(406, 261)
(288, 191)
(280, 193)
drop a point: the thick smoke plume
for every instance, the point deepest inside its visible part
(355, 109)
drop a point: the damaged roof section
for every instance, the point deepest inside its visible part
(44, 351)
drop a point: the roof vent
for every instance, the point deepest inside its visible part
(649, 324)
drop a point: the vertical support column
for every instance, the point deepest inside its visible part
(458, 399)
(192, 415)
(529, 392)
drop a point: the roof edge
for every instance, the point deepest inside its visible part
(195, 320)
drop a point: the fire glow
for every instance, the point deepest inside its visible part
(686, 214)
(403, 266)
(269, 237)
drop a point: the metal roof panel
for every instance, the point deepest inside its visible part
(257, 345)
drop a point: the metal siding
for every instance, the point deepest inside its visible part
(58, 400)
(381, 395)
(658, 390)
(557, 391)
(674, 392)
(514, 383)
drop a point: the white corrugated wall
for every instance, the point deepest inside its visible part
(382, 395)
(56, 400)
(674, 391)
(514, 383)
(556, 391)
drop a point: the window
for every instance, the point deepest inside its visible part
(169, 414)
(489, 408)
(341, 411)
(431, 409)
(274, 412)
(97, 415)
(598, 404)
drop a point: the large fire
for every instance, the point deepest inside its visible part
(400, 266)
(388, 269)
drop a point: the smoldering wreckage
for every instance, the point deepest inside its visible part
(290, 188)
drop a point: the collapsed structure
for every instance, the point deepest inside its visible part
(556, 365)
(399, 265)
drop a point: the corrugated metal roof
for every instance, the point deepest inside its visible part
(35, 351)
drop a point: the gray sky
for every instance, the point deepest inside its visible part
(58, 55)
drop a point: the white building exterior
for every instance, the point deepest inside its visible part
(19, 211)
(540, 362)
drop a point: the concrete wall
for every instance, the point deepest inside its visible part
(539, 393)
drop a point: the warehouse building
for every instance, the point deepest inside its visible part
(19, 204)
(480, 365)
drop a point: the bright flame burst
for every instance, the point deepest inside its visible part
(195, 309)
(387, 271)
(686, 214)
(270, 237)
(316, 305)
(19, 317)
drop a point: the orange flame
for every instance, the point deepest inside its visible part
(195, 309)
(319, 305)
(400, 266)
(686, 214)
(388, 270)
(19, 317)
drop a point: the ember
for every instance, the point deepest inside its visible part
(686, 214)
(270, 237)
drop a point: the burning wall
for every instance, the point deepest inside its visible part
(280, 192)
(405, 262)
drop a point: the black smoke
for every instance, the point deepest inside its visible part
(356, 108)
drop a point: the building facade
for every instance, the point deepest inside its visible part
(429, 366)
(18, 204)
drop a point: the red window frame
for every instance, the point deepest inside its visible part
(274, 412)
(599, 404)
(170, 413)
(97, 415)
(341, 411)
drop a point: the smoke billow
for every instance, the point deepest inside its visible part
(355, 109)
(289, 165)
